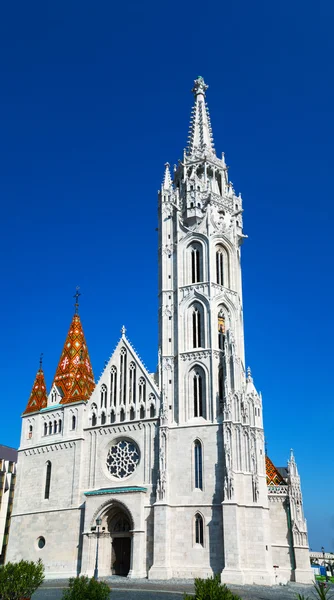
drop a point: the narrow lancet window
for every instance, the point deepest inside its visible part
(196, 264)
(73, 422)
(199, 537)
(197, 341)
(220, 267)
(47, 481)
(104, 393)
(221, 330)
(198, 460)
(198, 394)
(113, 386)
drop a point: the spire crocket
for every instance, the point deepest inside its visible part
(74, 375)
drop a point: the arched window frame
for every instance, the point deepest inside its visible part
(152, 411)
(47, 480)
(94, 414)
(197, 395)
(199, 529)
(222, 270)
(103, 395)
(55, 427)
(60, 425)
(132, 413)
(132, 383)
(103, 418)
(50, 427)
(113, 386)
(142, 412)
(112, 417)
(142, 390)
(198, 465)
(195, 267)
(122, 415)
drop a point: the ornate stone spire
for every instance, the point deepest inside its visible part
(38, 397)
(200, 133)
(167, 182)
(74, 375)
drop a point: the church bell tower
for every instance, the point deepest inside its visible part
(212, 494)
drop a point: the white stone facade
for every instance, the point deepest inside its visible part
(172, 464)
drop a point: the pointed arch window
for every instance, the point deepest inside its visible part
(221, 330)
(152, 411)
(113, 386)
(30, 432)
(47, 481)
(50, 428)
(45, 429)
(198, 393)
(55, 427)
(197, 327)
(232, 373)
(132, 413)
(142, 412)
(199, 529)
(74, 422)
(103, 418)
(196, 268)
(94, 420)
(112, 417)
(103, 396)
(59, 426)
(132, 383)
(198, 463)
(142, 390)
(122, 415)
(221, 382)
(220, 266)
(122, 383)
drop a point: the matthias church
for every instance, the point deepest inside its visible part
(167, 472)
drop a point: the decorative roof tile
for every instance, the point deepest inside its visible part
(273, 475)
(74, 375)
(38, 397)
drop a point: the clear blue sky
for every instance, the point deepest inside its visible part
(95, 98)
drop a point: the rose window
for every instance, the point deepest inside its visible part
(122, 459)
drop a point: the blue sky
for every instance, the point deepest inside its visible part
(95, 98)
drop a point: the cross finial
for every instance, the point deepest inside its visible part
(41, 361)
(123, 331)
(76, 296)
(200, 86)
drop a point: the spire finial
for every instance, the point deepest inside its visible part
(123, 331)
(41, 362)
(200, 137)
(200, 86)
(76, 296)
(249, 374)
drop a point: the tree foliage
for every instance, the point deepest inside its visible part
(20, 580)
(83, 588)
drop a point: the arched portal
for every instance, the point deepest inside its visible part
(119, 527)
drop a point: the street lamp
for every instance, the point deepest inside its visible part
(323, 556)
(96, 570)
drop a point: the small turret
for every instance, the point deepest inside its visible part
(38, 397)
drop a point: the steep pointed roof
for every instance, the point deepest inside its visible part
(273, 475)
(167, 182)
(74, 375)
(38, 397)
(200, 132)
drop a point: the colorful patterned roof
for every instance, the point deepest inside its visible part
(38, 397)
(273, 475)
(74, 375)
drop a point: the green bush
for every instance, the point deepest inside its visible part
(322, 591)
(20, 580)
(82, 588)
(211, 589)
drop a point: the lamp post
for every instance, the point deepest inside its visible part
(323, 557)
(96, 570)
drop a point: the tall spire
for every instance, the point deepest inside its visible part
(167, 182)
(38, 397)
(74, 375)
(200, 133)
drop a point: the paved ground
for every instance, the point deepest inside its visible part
(126, 589)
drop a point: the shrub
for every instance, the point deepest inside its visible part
(83, 588)
(321, 591)
(20, 580)
(211, 589)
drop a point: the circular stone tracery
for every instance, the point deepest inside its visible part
(122, 459)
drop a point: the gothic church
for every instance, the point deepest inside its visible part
(165, 472)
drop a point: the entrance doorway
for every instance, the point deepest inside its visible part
(121, 552)
(119, 528)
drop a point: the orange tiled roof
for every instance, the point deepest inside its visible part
(273, 475)
(38, 397)
(74, 374)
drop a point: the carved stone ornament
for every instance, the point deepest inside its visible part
(162, 478)
(255, 484)
(167, 363)
(228, 485)
(195, 355)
